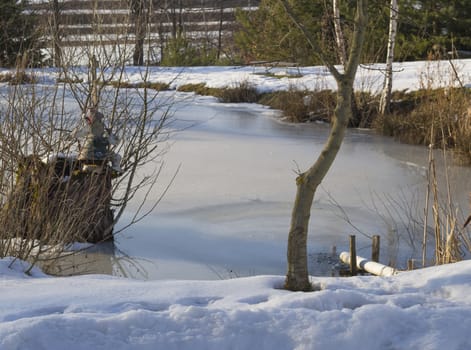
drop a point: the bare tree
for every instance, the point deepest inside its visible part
(45, 204)
(307, 182)
(388, 79)
(140, 12)
(54, 25)
(174, 13)
(220, 30)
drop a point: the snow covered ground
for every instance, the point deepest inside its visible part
(423, 309)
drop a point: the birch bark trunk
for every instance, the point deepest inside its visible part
(388, 79)
(339, 39)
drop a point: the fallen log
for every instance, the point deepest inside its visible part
(369, 266)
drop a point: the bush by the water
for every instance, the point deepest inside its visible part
(239, 93)
(440, 117)
(17, 78)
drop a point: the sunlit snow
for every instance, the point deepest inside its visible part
(229, 207)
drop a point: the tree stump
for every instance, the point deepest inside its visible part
(56, 201)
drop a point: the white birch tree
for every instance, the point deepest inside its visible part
(339, 39)
(388, 79)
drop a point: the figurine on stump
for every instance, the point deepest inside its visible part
(97, 165)
(94, 153)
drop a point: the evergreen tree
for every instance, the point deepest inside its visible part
(268, 33)
(425, 27)
(433, 27)
(18, 42)
(180, 51)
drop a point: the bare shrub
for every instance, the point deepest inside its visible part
(364, 110)
(141, 85)
(19, 77)
(200, 89)
(302, 105)
(440, 113)
(44, 207)
(238, 93)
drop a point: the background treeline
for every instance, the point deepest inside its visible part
(208, 32)
(167, 32)
(424, 27)
(19, 34)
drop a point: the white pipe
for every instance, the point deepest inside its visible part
(369, 266)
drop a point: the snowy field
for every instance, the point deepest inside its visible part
(423, 309)
(426, 309)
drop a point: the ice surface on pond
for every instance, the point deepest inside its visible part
(228, 210)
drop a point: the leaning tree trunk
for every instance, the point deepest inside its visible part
(297, 277)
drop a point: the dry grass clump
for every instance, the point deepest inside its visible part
(365, 108)
(442, 115)
(242, 92)
(158, 86)
(462, 135)
(436, 116)
(451, 242)
(200, 89)
(17, 78)
(408, 121)
(69, 80)
(300, 106)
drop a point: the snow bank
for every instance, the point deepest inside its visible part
(424, 309)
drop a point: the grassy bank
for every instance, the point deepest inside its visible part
(441, 117)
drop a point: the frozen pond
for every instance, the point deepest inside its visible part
(228, 211)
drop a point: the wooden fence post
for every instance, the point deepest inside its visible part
(375, 248)
(353, 256)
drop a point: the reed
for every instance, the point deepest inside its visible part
(439, 113)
